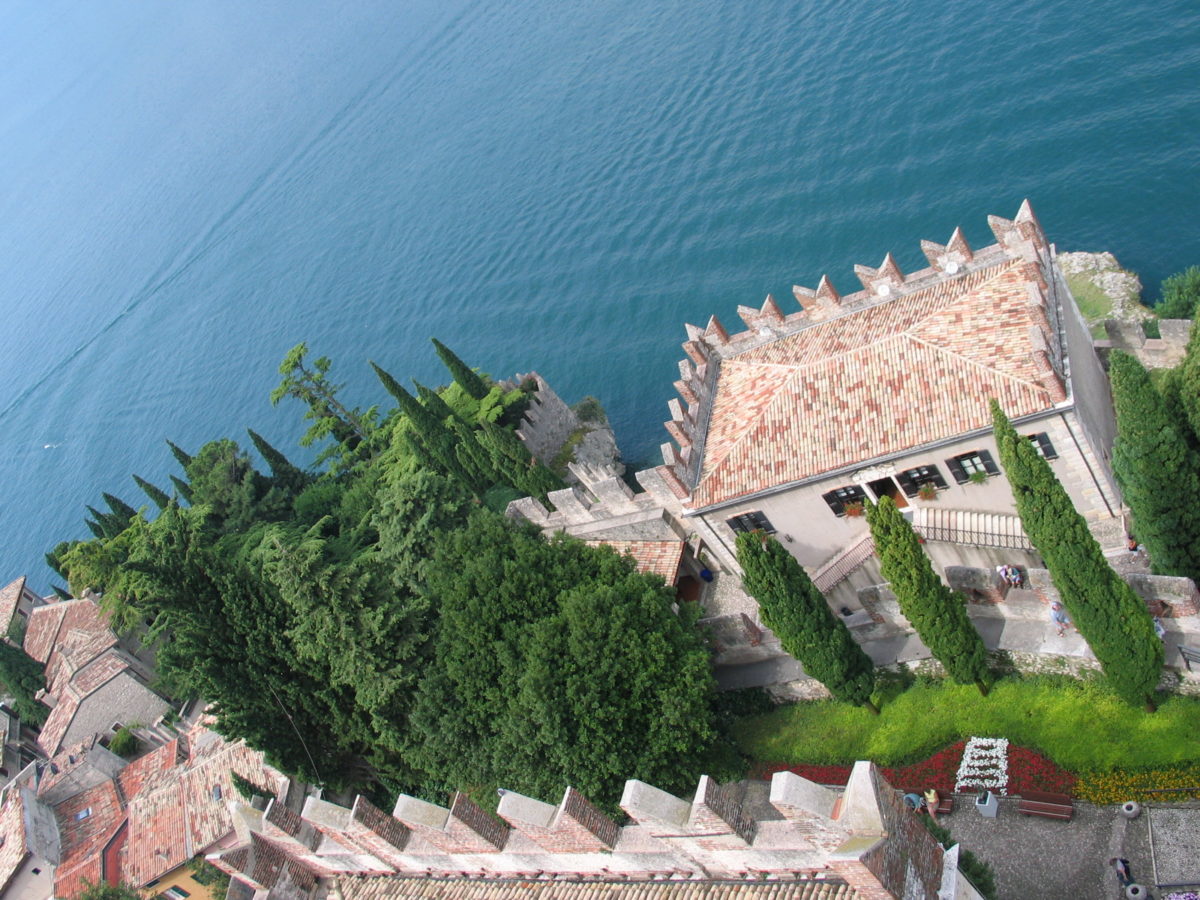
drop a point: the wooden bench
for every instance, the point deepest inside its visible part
(1052, 806)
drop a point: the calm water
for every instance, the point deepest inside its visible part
(189, 189)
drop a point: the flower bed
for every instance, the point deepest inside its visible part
(984, 766)
(1028, 770)
(1119, 786)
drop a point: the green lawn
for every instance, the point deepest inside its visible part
(1078, 724)
(1093, 302)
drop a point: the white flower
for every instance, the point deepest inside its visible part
(984, 765)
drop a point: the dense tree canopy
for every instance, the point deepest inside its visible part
(369, 622)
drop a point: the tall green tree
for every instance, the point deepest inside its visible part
(796, 611)
(119, 507)
(181, 456)
(1182, 385)
(938, 614)
(155, 493)
(310, 384)
(464, 376)
(1110, 616)
(1157, 470)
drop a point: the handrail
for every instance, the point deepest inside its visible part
(839, 568)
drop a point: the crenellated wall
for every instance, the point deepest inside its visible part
(790, 829)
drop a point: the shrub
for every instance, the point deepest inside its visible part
(978, 872)
(1180, 294)
(589, 410)
(123, 743)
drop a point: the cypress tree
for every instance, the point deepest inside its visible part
(180, 454)
(938, 614)
(158, 495)
(464, 376)
(283, 472)
(1158, 472)
(513, 460)
(422, 419)
(433, 402)
(1110, 616)
(182, 488)
(1184, 382)
(120, 508)
(110, 524)
(796, 611)
(472, 456)
(94, 528)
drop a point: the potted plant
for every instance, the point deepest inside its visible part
(978, 477)
(853, 508)
(927, 490)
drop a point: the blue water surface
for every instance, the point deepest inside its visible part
(189, 189)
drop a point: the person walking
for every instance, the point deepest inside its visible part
(1058, 616)
(1124, 873)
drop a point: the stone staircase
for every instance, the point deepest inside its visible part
(978, 529)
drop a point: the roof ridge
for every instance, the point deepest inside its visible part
(937, 348)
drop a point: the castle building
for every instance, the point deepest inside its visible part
(792, 424)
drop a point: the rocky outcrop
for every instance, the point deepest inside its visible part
(1122, 287)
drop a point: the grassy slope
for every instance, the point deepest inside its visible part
(1080, 725)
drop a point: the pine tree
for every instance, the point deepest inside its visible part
(938, 614)
(1158, 472)
(796, 611)
(155, 493)
(466, 377)
(180, 454)
(1110, 616)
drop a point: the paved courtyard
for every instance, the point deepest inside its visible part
(1037, 858)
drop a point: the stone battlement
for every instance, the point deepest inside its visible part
(788, 829)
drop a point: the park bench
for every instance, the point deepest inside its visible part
(945, 804)
(1052, 806)
(1190, 655)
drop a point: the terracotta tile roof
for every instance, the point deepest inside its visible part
(656, 557)
(84, 840)
(10, 596)
(431, 889)
(42, 629)
(875, 381)
(148, 772)
(59, 721)
(12, 829)
(176, 813)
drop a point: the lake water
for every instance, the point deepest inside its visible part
(188, 189)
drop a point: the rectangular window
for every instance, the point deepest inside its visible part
(912, 479)
(117, 726)
(176, 893)
(216, 792)
(1041, 443)
(751, 521)
(965, 465)
(838, 499)
(83, 814)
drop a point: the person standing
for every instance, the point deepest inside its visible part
(931, 803)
